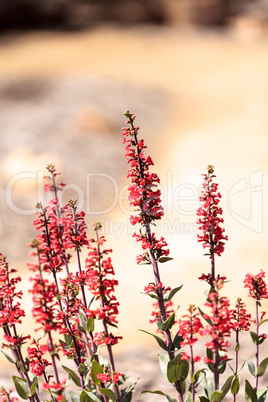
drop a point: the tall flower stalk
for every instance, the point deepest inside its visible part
(144, 195)
(212, 238)
(258, 291)
(240, 321)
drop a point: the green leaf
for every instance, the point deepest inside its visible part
(235, 385)
(169, 398)
(261, 394)
(160, 341)
(250, 394)
(262, 367)
(8, 357)
(168, 324)
(21, 387)
(216, 396)
(237, 347)
(203, 399)
(87, 394)
(176, 342)
(172, 293)
(68, 339)
(188, 397)
(90, 324)
(33, 386)
(73, 396)
(206, 319)
(84, 397)
(164, 259)
(73, 376)
(177, 369)
(96, 369)
(163, 362)
(109, 393)
(83, 320)
(251, 366)
(226, 386)
(254, 337)
(263, 321)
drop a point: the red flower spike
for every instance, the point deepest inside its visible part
(256, 285)
(209, 213)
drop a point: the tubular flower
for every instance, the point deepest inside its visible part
(5, 396)
(45, 305)
(240, 320)
(210, 220)
(101, 283)
(220, 325)
(256, 285)
(10, 310)
(37, 363)
(190, 326)
(144, 193)
(74, 234)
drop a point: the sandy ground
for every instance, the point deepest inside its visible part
(200, 98)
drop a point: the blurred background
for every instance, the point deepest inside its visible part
(195, 73)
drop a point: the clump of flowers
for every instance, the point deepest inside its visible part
(76, 308)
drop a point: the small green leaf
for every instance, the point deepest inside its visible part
(84, 397)
(109, 393)
(164, 259)
(263, 321)
(206, 319)
(172, 293)
(261, 394)
(163, 362)
(251, 366)
(33, 386)
(68, 339)
(160, 341)
(169, 398)
(87, 396)
(254, 336)
(216, 396)
(73, 396)
(203, 399)
(21, 387)
(73, 376)
(226, 386)
(168, 324)
(235, 386)
(262, 367)
(8, 357)
(83, 319)
(90, 324)
(96, 369)
(237, 347)
(250, 393)
(176, 342)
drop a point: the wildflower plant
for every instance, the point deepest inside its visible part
(76, 311)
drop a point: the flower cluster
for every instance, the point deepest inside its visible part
(240, 319)
(256, 285)
(144, 194)
(37, 363)
(210, 219)
(219, 322)
(190, 326)
(5, 396)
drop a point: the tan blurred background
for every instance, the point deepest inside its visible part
(195, 73)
